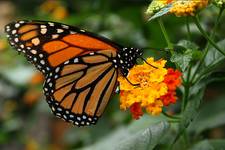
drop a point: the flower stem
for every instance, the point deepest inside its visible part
(185, 97)
(208, 43)
(197, 22)
(187, 85)
(163, 29)
(169, 116)
(188, 29)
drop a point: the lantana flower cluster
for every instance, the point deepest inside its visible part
(179, 7)
(157, 5)
(156, 89)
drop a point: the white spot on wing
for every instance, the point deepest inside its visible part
(33, 51)
(43, 31)
(13, 31)
(60, 30)
(57, 69)
(75, 60)
(51, 24)
(21, 21)
(22, 46)
(42, 62)
(54, 36)
(66, 62)
(41, 55)
(16, 40)
(73, 32)
(17, 25)
(35, 41)
(43, 26)
(65, 26)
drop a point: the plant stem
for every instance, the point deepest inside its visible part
(215, 26)
(186, 90)
(163, 29)
(197, 22)
(169, 116)
(208, 43)
(185, 136)
(188, 28)
(174, 121)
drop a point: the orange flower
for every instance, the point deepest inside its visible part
(32, 96)
(169, 98)
(55, 9)
(172, 79)
(36, 79)
(157, 88)
(136, 110)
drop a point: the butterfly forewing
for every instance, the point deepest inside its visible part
(78, 65)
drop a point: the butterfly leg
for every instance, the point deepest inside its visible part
(131, 82)
(148, 63)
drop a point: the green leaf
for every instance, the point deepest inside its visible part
(141, 134)
(212, 60)
(213, 57)
(182, 60)
(218, 144)
(210, 118)
(216, 76)
(145, 139)
(191, 109)
(162, 12)
(187, 44)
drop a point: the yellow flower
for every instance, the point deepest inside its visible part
(55, 9)
(3, 44)
(187, 7)
(156, 108)
(151, 87)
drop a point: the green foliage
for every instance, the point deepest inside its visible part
(209, 145)
(209, 118)
(135, 136)
(214, 58)
(182, 60)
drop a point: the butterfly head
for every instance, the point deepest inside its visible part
(127, 58)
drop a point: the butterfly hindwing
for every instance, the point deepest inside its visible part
(79, 90)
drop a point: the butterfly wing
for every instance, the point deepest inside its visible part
(79, 91)
(49, 44)
(78, 66)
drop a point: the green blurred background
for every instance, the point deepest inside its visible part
(26, 121)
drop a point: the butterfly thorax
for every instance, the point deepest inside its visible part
(127, 58)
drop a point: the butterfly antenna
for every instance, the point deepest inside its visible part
(156, 49)
(148, 63)
(132, 83)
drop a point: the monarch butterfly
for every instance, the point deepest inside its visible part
(80, 67)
